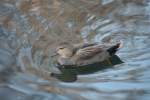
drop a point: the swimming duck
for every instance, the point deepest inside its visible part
(85, 53)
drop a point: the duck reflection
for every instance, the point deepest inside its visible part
(69, 72)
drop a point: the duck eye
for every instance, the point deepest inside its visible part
(61, 48)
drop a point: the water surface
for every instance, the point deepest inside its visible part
(31, 29)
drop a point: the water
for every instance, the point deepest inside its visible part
(31, 29)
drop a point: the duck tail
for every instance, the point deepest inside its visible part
(112, 50)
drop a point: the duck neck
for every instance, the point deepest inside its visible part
(66, 55)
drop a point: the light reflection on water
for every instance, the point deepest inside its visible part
(29, 32)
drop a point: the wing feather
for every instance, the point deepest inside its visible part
(89, 52)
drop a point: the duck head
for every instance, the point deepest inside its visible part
(64, 51)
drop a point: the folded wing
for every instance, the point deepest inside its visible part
(89, 52)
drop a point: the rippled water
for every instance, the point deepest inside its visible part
(31, 29)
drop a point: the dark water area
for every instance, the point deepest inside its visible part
(30, 30)
(69, 73)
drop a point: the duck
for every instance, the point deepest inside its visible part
(84, 53)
